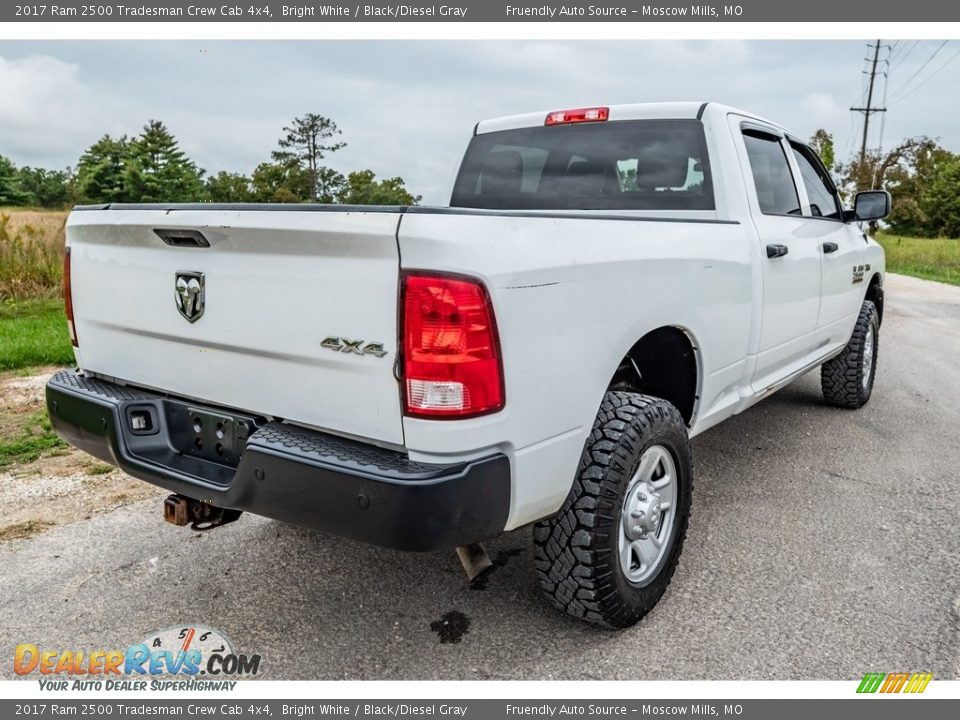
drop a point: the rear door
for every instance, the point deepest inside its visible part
(789, 254)
(290, 313)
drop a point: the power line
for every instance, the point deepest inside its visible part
(902, 57)
(929, 77)
(894, 95)
(883, 126)
(883, 118)
(869, 109)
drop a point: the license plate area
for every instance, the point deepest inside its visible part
(206, 433)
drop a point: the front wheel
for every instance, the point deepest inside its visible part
(609, 554)
(847, 379)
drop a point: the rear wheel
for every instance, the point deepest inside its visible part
(609, 554)
(847, 379)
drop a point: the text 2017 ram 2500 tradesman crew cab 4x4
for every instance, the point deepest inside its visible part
(606, 283)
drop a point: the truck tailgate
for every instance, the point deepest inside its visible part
(276, 284)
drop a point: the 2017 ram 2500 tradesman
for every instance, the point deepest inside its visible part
(606, 283)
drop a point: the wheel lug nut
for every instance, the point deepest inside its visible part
(642, 496)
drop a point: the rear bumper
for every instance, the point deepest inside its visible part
(289, 473)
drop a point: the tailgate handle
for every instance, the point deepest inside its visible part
(182, 238)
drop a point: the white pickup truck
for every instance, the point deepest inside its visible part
(606, 283)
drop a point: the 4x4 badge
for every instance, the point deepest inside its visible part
(358, 347)
(189, 295)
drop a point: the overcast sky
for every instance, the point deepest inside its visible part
(408, 107)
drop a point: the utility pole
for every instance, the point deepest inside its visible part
(869, 109)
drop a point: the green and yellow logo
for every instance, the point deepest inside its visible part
(895, 682)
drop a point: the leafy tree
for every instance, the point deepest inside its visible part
(330, 185)
(227, 187)
(941, 201)
(306, 143)
(363, 189)
(277, 182)
(46, 188)
(100, 171)
(157, 169)
(907, 171)
(11, 192)
(822, 142)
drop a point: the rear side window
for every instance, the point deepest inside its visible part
(820, 189)
(622, 165)
(776, 193)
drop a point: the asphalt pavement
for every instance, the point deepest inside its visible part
(823, 544)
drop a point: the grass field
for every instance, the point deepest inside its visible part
(31, 253)
(28, 440)
(33, 328)
(926, 258)
(33, 332)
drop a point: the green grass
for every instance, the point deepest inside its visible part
(100, 469)
(33, 332)
(35, 438)
(925, 258)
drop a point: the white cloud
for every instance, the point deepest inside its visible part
(821, 110)
(41, 99)
(407, 108)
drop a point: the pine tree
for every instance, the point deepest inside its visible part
(100, 171)
(158, 170)
(10, 191)
(305, 145)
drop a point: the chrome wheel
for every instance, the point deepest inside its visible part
(867, 357)
(647, 517)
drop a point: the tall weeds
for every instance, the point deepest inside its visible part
(31, 254)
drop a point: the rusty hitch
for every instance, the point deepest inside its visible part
(180, 510)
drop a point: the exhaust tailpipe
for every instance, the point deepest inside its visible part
(474, 559)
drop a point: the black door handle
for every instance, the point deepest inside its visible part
(829, 247)
(774, 251)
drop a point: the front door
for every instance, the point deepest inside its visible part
(841, 248)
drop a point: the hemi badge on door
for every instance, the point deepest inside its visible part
(857, 274)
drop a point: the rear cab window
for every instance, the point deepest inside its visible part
(618, 165)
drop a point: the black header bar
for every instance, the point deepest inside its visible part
(631, 11)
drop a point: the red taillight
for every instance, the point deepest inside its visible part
(68, 298)
(451, 352)
(562, 117)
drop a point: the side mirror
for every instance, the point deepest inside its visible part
(871, 205)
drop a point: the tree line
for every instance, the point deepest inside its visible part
(922, 177)
(151, 167)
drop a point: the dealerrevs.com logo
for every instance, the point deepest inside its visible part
(177, 658)
(894, 682)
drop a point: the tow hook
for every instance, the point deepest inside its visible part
(179, 510)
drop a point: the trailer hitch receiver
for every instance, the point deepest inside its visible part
(180, 510)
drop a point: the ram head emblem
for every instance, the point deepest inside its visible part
(189, 295)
